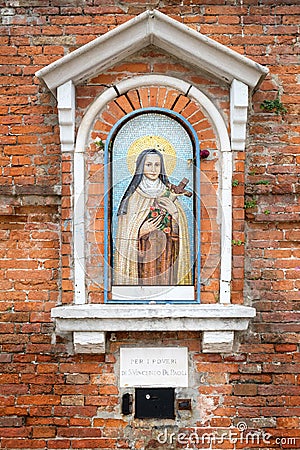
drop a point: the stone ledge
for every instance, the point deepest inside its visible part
(217, 322)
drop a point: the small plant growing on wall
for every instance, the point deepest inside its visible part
(263, 182)
(250, 203)
(237, 242)
(99, 143)
(274, 106)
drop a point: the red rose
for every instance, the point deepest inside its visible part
(204, 154)
(167, 230)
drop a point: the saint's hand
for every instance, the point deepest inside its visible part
(166, 203)
(150, 225)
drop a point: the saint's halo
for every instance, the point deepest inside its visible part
(152, 142)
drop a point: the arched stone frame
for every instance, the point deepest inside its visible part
(79, 169)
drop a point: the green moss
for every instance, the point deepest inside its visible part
(274, 106)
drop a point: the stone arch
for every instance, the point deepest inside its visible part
(176, 94)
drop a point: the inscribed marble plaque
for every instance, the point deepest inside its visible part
(154, 366)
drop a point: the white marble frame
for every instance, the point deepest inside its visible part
(226, 174)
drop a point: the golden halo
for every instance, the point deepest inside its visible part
(156, 142)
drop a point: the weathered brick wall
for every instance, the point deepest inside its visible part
(50, 399)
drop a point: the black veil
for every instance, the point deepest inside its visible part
(138, 175)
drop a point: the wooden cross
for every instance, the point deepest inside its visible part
(180, 188)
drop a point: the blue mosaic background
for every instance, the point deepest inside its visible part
(168, 128)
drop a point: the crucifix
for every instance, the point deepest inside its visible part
(180, 188)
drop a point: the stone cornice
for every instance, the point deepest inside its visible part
(152, 28)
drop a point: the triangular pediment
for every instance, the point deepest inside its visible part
(152, 28)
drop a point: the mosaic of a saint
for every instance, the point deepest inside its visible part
(152, 244)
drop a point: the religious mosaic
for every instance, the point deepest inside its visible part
(152, 202)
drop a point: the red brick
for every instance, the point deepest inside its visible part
(124, 104)
(245, 389)
(43, 432)
(286, 347)
(94, 443)
(287, 422)
(59, 444)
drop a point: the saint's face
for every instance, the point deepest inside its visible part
(152, 167)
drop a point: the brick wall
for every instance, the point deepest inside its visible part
(50, 399)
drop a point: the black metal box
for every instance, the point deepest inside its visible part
(154, 403)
